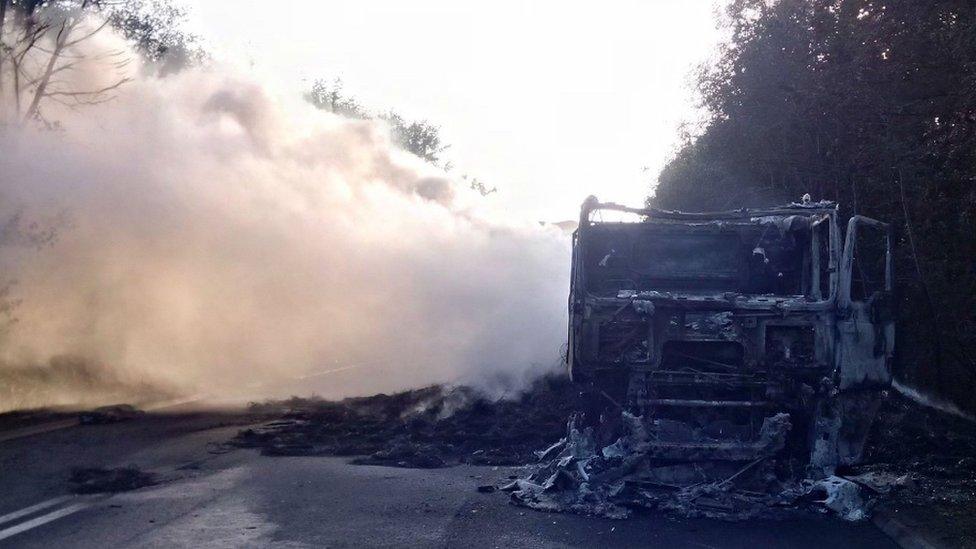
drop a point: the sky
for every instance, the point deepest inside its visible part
(548, 100)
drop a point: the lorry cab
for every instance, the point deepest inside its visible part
(731, 317)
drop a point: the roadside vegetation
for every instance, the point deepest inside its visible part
(419, 137)
(870, 104)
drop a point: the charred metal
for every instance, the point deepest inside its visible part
(721, 321)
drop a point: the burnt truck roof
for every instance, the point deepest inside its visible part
(731, 300)
(795, 208)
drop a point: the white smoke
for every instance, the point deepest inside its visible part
(931, 401)
(214, 235)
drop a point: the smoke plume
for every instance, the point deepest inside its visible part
(211, 235)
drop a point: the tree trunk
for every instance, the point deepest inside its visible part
(3, 19)
(59, 43)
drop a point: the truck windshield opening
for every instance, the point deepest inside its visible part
(750, 259)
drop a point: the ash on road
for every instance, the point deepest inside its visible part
(920, 463)
(435, 426)
(208, 490)
(211, 494)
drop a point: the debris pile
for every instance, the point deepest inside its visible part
(922, 462)
(430, 427)
(909, 439)
(649, 466)
(110, 414)
(915, 456)
(94, 480)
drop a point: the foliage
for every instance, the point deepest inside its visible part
(421, 138)
(43, 41)
(869, 103)
(329, 96)
(156, 30)
(418, 137)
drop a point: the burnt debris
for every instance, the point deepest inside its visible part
(732, 365)
(430, 427)
(110, 414)
(922, 462)
(653, 466)
(916, 459)
(608, 462)
(94, 480)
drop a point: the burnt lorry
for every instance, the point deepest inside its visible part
(717, 326)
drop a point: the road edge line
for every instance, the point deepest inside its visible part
(38, 429)
(43, 519)
(30, 510)
(59, 424)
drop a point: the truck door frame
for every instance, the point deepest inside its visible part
(865, 327)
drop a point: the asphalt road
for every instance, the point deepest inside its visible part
(215, 496)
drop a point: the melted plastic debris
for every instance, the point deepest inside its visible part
(577, 475)
(842, 497)
(915, 458)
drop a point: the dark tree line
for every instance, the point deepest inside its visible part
(868, 103)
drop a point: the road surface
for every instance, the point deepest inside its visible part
(212, 495)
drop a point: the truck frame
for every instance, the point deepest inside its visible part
(712, 323)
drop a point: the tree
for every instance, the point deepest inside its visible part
(869, 103)
(46, 41)
(42, 41)
(156, 30)
(329, 96)
(418, 137)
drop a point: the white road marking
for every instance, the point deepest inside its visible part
(153, 407)
(86, 503)
(325, 372)
(33, 509)
(71, 422)
(173, 403)
(38, 429)
(43, 519)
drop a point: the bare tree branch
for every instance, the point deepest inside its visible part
(3, 19)
(87, 36)
(59, 42)
(99, 91)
